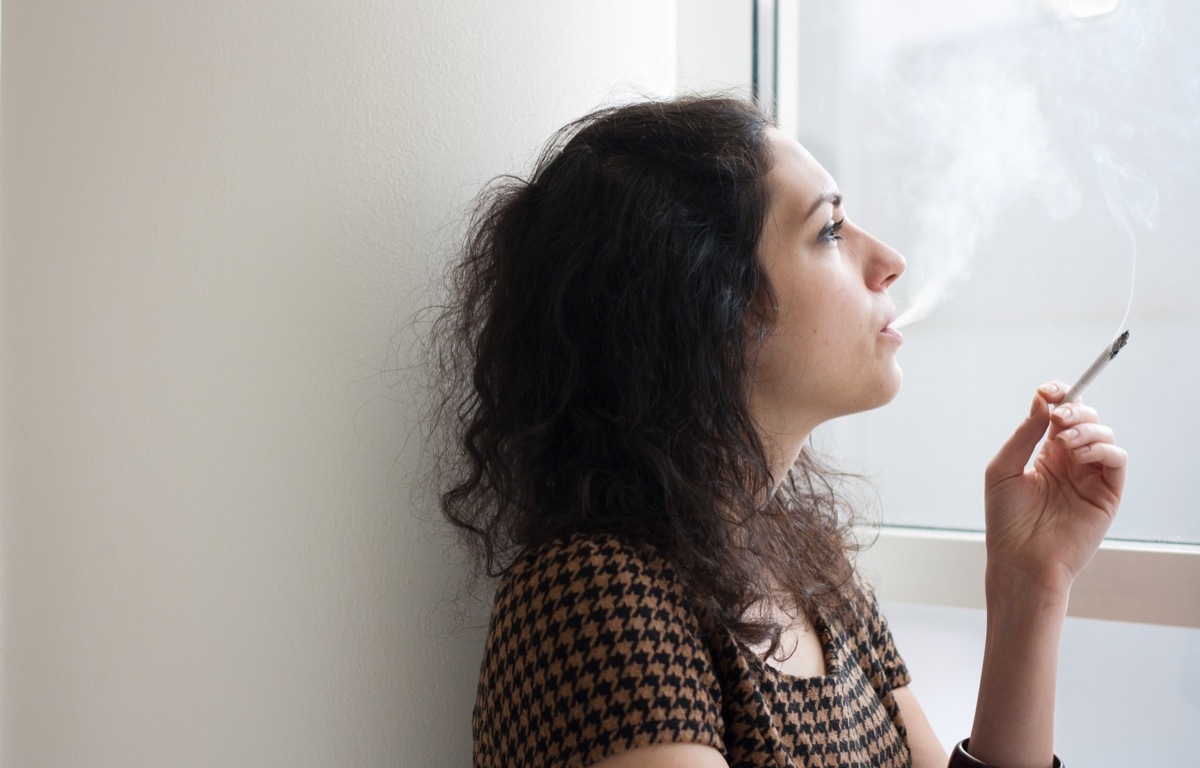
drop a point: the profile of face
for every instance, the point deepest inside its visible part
(831, 350)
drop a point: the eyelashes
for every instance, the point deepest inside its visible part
(832, 233)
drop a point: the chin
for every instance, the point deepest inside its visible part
(898, 380)
(887, 390)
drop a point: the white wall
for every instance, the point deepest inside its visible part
(1127, 693)
(218, 217)
(715, 45)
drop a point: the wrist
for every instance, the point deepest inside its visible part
(1009, 587)
(1014, 715)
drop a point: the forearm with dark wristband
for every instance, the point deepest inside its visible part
(961, 758)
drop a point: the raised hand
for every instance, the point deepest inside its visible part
(1046, 519)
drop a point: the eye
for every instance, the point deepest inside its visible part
(832, 232)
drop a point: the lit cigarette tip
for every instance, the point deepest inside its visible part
(1094, 369)
(1117, 345)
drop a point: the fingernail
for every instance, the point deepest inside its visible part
(1063, 411)
(1069, 434)
(1050, 389)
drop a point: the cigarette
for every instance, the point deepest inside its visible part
(1094, 369)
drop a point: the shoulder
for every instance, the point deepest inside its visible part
(873, 643)
(592, 572)
(595, 603)
(592, 650)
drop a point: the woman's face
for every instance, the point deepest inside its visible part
(831, 351)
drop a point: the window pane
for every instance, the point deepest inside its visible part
(1040, 157)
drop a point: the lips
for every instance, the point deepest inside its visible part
(888, 330)
(891, 318)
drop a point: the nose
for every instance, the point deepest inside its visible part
(886, 264)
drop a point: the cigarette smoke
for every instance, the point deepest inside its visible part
(1050, 109)
(1127, 193)
(988, 144)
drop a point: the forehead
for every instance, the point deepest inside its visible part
(796, 179)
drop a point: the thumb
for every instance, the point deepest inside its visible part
(1014, 455)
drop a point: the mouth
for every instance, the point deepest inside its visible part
(888, 330)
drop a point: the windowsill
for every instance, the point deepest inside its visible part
(1147, 583)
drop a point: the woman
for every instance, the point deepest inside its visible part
(640, 340)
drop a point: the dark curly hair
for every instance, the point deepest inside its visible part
(594, 362)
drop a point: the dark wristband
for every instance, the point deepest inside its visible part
(961, 758)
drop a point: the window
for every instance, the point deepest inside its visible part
(1037, 160)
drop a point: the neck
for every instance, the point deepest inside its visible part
(783, 435)
(782, 452)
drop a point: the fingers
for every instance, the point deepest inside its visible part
(1076, 428)
(1103, 454)
(1071, 415)
(1081, 437)
(1012, 457)
(1105, 462)
(1053, 391)
(1065, 415)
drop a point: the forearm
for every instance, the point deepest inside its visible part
(1014, 715)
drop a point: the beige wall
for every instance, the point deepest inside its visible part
(218, 216)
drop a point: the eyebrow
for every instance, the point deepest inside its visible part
(833, 198)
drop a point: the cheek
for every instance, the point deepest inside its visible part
(817, 319)
(786, 358)
(820, 318)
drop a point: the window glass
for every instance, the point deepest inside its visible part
(1037, 163)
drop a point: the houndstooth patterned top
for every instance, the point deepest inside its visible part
(593, 649)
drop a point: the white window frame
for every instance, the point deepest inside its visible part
(1134, 581)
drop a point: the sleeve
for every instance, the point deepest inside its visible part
(888, 670)
(591, 651)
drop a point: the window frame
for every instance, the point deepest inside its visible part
(1133, 581)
